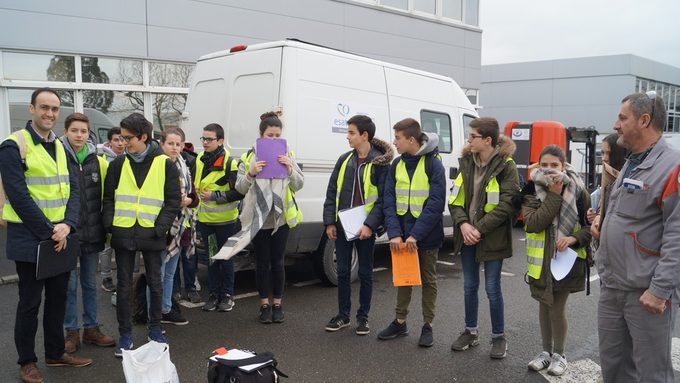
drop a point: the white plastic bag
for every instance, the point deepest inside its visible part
(149, 364)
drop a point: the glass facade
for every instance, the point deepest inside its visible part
(671, 98)
(459, 11)
(106, 89)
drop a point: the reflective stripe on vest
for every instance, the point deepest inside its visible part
(47, 180)
(535, 244)
(142, 205)
(370, 191)
(293, 213)
(210, 211)
(411, 194)
(492, 189)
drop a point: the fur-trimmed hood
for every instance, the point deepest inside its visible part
(506, 147)
(385, 148)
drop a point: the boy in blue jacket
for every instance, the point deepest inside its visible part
(413, 203)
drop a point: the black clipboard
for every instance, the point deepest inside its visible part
(51, 263)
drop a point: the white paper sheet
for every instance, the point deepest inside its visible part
(562, 263)
(352, 220)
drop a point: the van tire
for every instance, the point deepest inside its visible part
(325, 263)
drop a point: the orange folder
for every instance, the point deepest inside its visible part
(405, 267)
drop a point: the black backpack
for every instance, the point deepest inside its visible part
(228, 371)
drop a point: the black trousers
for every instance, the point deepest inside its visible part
(125, 263)
(26, 323)
(270, 273)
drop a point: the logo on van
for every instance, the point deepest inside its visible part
(343, 109)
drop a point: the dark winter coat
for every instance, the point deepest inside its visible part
(23, 238)
(538, 216)
(380, 155)
(138, 237)
(428, 228)
(495, 227)
(90, 229)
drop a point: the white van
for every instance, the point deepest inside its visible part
(317, 89)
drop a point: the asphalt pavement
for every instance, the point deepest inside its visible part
(307, 353)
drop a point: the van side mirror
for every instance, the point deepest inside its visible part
(453, 172)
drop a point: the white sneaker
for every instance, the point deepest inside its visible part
(540, 362)
(558, 365)
(196, 284)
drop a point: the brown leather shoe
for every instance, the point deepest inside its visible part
(72, 341)
(68, 360)
(30, 374)
(95, 336)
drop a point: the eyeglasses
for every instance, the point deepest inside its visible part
(652, 96)
(208, 139)
(472, 136)
(128, 138)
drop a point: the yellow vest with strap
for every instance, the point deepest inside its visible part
(293, 214)
(103, 168)
(47, 180)
(411, 193)
(493, 192)
(370, 191)
(141, 205)
(210, 211)
(535, 243)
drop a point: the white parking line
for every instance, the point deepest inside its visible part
(446, 263)
(246, 295)
(594, 278)
(379, 269)
(507, 274)
(307, 283)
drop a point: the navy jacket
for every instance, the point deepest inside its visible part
(23, 238)
(428, 229)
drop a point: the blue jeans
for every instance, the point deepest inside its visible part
(343, 254)
(167, 278)
(492, 279)
(189, 266)
(88, 284)
(220, 272)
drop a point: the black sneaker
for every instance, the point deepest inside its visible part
(108, 285)
(265, 315)
(336, 323)
(394, 330)
(362, 327)
(277, 313)
(426, 338)
(194, 297)
(174, 317)
(226, 303)
(211, 304)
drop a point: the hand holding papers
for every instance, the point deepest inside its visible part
(405, 266)
(352, 220)
(562, 263)
(269, 150)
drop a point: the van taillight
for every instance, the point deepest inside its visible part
(238, 48)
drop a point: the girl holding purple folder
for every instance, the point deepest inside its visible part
(268, 213)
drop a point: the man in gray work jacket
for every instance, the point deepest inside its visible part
(639, 255)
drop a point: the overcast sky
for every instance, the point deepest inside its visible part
(529, 30)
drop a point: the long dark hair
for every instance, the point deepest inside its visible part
(617, 154)
(269, 119)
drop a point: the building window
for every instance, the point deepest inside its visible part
(439, 123)
(38, 67)
(472, 12)
(427, 6)
(171, 75)
(105, 109)
(167, 109)
(104, 70)
(453, 9)
(401, 4)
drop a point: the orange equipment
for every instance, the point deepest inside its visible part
(531, 138)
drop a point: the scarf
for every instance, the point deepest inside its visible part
(263, 196)
(139, 157)
(568, 218)
(185, 215)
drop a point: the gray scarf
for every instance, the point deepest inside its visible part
(139, 157)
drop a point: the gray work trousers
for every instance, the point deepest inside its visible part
(635, 345)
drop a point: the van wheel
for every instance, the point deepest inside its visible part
(325, 263)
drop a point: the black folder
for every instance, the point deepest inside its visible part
(51, 263)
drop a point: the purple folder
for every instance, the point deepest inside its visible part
(269, 149)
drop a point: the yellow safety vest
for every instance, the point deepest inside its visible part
(293, 214)
(141, 205)
(411, 194)
(370, 191)
(47, 180)
(493, 192)
(535, 243)
(103, 168)
(210, 211)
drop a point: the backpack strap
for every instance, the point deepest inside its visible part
(21, 143)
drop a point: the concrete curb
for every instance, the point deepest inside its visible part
(9, 279)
